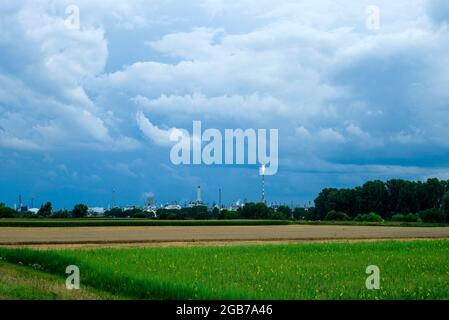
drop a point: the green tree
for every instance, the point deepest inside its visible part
(200, 213)
(61, 214)
(300, 214)
(394, 187)
(45, 210)
(393, 197)
(248, 211)
(253, 210)
(370, 217)
(307, 214)
(325, 202)
(433, 215)
(6, 212)
(374, 197)
(116, 213)
(406, 217)
(215, 213)
(136, 213)
(282, 213)
(434, 192)
(409, 200)
(80, 211)
(262, 211)
(337, 216)
(445, 205)
(230, 215)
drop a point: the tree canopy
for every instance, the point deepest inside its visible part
(387, 199)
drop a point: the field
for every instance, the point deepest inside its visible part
(24, 283)
(121, 235)
(121, 222)
(408, 270)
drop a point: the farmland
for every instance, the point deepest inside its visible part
(121, 222)
(23, 283)
(162, 234)
(111, 222)
(409, 270)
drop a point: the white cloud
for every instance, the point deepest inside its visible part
(47, 102)
(159, 136)
(329, 135)
(320, 76)
(302, 133)
(254, 108)
(362, 138)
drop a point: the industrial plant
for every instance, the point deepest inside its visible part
(151, 206)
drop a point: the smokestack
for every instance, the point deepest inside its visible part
(219, 197)
(198, 194)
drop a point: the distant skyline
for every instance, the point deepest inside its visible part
(87, 109)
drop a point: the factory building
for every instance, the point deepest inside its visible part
(198, 202)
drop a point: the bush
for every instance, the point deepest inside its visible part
(229, 215)
(255, 211)
(116, 213)
(215, 214)
(306, 214)
(432, 215)
(25, 215)
(370, 217)
(6, 212)
(336, 216)
(141, 215)
(406, 218)
(164, 214)
(61, 214)
(199, 213)
(282, 213)
(80, 211)
(279, 215)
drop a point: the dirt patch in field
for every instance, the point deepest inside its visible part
(132, 236)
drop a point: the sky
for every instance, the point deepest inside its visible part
(87, 110)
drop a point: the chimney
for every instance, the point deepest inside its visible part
(198, 194)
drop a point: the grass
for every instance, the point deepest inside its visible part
(110, 222)
(368, 223)
(409, 270)
(24, 283)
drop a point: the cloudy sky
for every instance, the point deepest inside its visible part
(86, 110)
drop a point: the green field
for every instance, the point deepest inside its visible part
(409, 270)
(24, 283)
(110, 222)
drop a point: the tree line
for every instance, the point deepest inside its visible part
(396, 199)
(46, 211)
(392, 199)
(249, 211)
